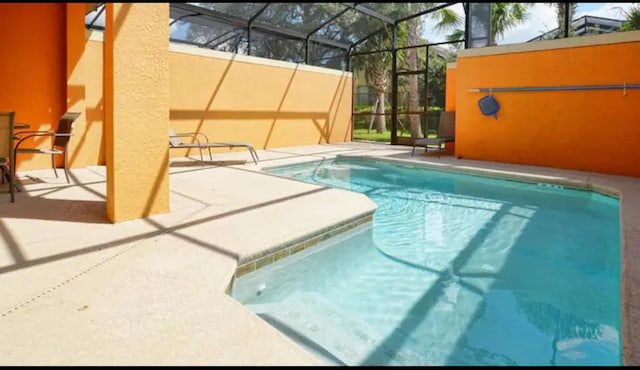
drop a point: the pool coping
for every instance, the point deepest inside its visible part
(630, 350)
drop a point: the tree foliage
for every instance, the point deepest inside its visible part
(632, 19)
(504, 17)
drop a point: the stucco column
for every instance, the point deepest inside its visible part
(136, 93)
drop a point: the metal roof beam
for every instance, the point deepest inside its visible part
(366, 37)
(426, 11)
(97, 15)
(206, 44)
(258, 13)
(221, 42)
(371, 13)
(346, 9)
(182, 8)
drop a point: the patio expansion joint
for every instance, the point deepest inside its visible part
(67, 281)
(161, 232)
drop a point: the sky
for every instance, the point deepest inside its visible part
(542, 18)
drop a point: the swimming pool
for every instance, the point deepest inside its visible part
(454, 270)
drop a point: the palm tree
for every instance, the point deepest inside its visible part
(632, 21)
(451, 23)
(414, 30)
(504, 17)
(377, 69)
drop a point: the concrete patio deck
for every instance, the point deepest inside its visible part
(77, 290)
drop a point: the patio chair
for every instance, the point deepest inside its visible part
(6, 149)
(445, 134)
(60, 137)
(175, 142)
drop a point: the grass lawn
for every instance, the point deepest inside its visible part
(385, 137)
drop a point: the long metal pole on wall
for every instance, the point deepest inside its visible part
(394, 86)
(622, 87)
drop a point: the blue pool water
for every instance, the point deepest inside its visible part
(454, 270)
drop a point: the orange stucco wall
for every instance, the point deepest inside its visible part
(595, 131)
(450, 93)
(269, 106)
(32, 69)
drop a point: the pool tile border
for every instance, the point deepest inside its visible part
(299, 244)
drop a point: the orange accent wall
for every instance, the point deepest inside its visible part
(596, 131)
(32, 69)
(269, 106)
(450, 93)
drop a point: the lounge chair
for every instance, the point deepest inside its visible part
(175, 142)
(446, 133)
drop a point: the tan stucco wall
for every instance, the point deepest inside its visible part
(241, 98)
(136, 92)
(268, 103)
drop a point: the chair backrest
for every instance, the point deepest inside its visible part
(447, 124)
(6, 134)
(174, 141)
(65, 126)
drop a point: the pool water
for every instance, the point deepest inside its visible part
(454, 270)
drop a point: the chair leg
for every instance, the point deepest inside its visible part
(53, 165)
(66, 167)
(210, 155)
(413, 150)
(254, 155)
(201, 157)
(12, 178)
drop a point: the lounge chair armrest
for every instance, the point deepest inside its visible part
(32, 132)
(183, 135)
(40, 133)
(188, 134)
(195, 134)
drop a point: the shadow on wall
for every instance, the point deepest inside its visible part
(302, 113)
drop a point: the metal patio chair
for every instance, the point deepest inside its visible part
(446, 133)
(59, 146)
(6, 149)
